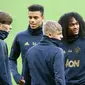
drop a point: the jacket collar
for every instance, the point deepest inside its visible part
(36, 31)
(46, 39)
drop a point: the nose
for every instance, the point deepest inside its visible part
(75, 25)
(9, 29)
(32, 19)
(61, 36)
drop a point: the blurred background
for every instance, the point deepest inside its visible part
(53, 10)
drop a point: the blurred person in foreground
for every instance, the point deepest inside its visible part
(44, 62)
(5, 27)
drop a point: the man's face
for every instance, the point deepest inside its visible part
(35, 19)
(73, 27)
(5, 27)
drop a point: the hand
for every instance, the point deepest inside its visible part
(22, 81)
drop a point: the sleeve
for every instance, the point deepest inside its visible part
(4, 69)
(26, 72)
(14, 54)
(58, 67)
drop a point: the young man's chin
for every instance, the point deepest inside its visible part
(33, 27)
(76, 33)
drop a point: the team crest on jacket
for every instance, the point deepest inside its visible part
(77, 50)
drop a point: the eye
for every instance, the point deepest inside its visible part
(71, 24)
(35, 17)
(30, 17)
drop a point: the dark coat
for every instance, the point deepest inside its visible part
(74, 61)
(5, 78)
(44, 63)
(23, 41)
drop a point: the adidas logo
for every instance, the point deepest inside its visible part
(26, 44)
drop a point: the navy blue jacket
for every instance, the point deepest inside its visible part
(75, 62)
(44, 64)
(23, 41)
(5, 78)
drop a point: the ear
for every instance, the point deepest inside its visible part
(0, 25)
(42, 17)
(50, 35)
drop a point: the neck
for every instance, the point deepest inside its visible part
(36, 31)
(72, 38)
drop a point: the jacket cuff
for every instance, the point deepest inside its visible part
(17, 78)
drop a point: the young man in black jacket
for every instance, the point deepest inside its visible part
(44, 62)
(26, 39)
(5, 27)
(74, 47)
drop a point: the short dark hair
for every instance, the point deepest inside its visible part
(36, 7)
(64, 21)
(5, 18)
